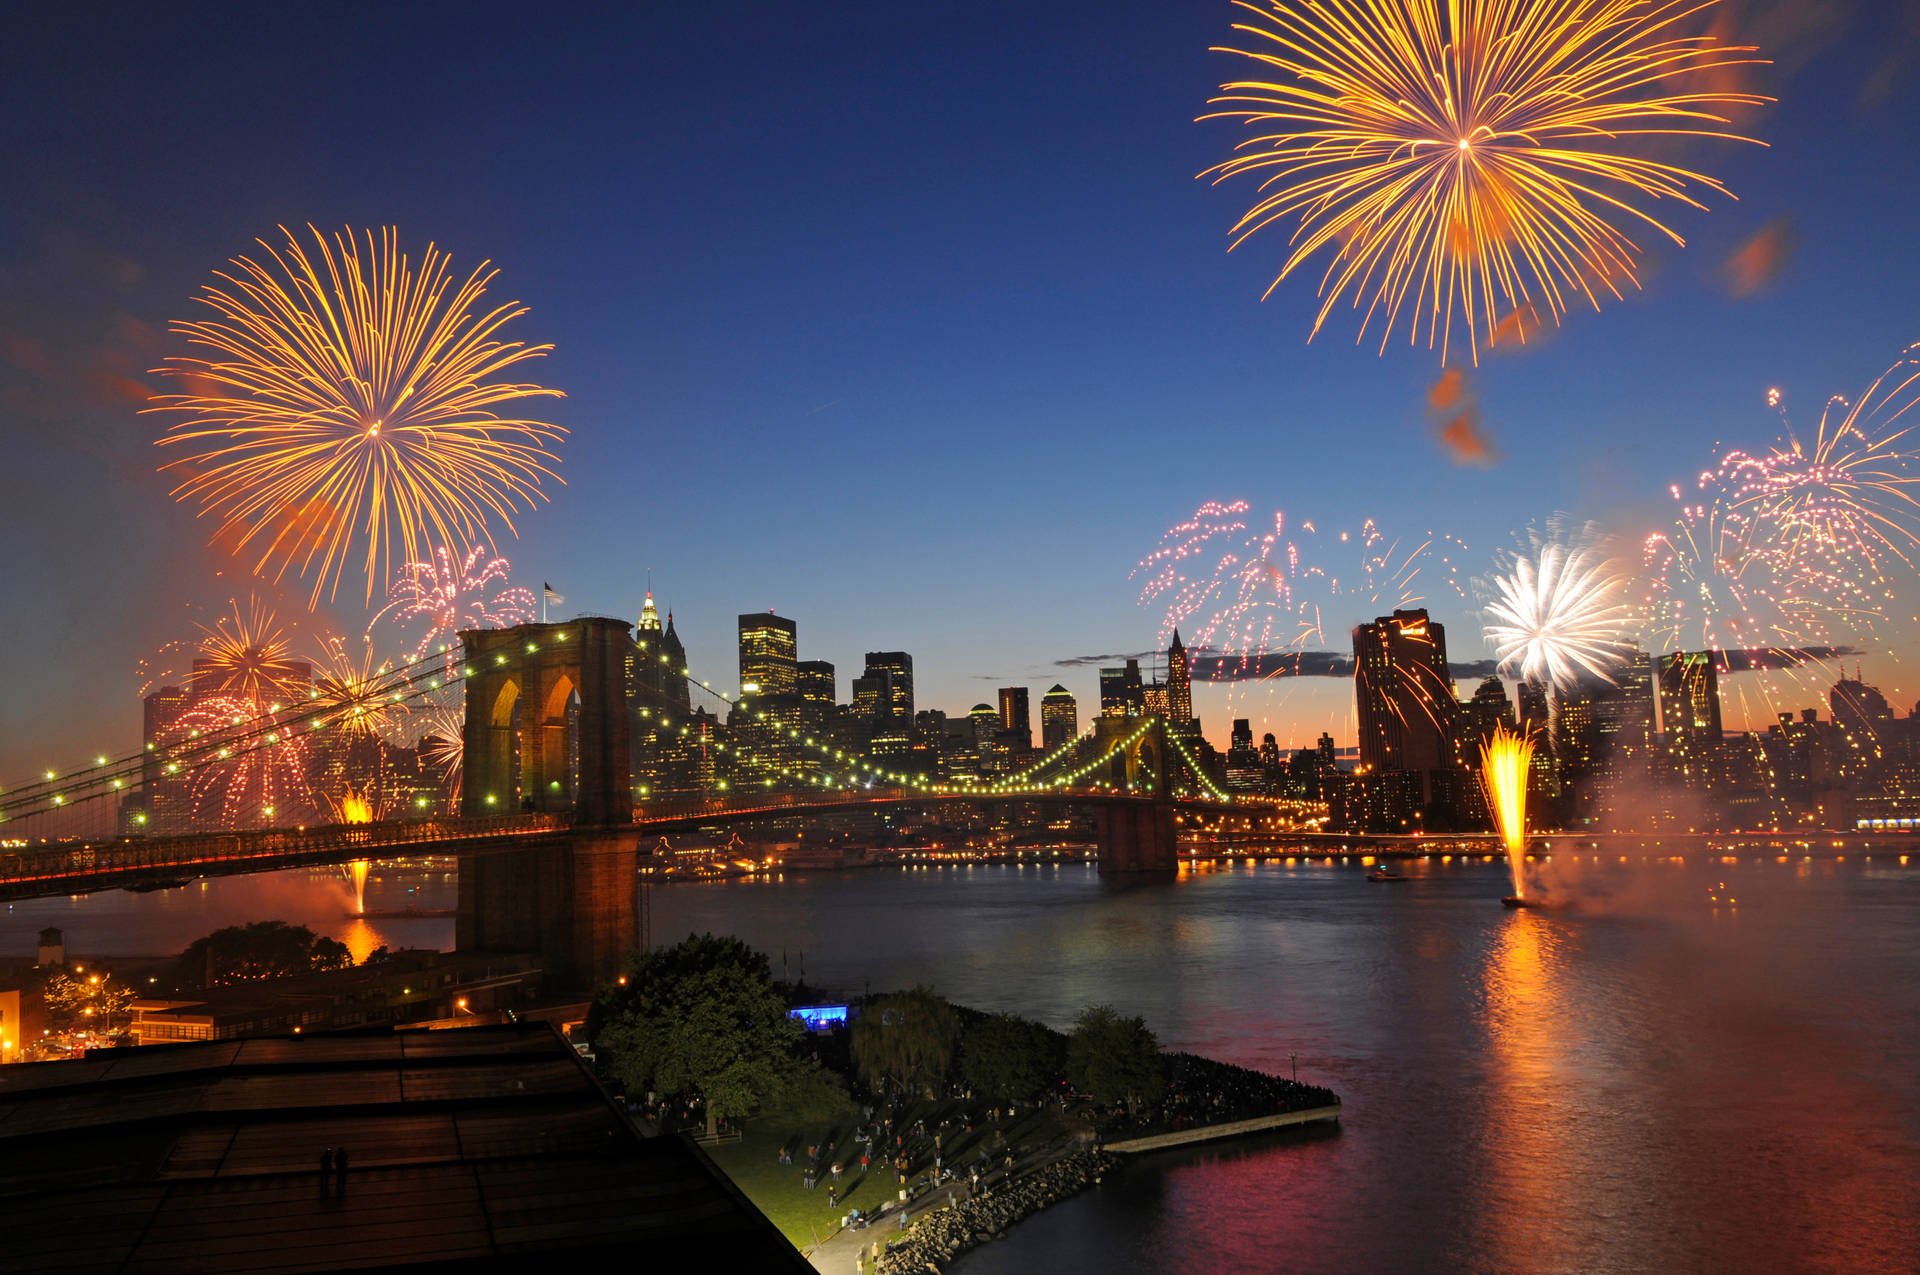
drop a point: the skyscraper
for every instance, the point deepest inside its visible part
(1179, 686)
(767, 655)
(1121, 692)
(1689, 684)
(1059, 717)
(1404, 698)
(815, 682)
(1014, 718)
(885, 689)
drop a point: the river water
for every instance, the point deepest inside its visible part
(1658, 1081)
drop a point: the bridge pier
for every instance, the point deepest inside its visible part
(1136, 839)
(573, 900)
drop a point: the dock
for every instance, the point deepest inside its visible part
(1214, 1132)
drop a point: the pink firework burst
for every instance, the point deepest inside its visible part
(446, 597)
(1237, 591)
(240, 768)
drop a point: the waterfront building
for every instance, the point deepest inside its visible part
(1179, 686)
(1014, 718)
(1059, 717)
(884, 690)
(768, 655)
(1407, 712)
(1689, 697)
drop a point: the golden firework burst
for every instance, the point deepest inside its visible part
(1469, 158)
(351, 397)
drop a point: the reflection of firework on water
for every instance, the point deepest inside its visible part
(1836, 516)
(1239, 592)
(443, 746)
(1472, 158)
(239, 769)
(445, 597)
(357, 698)
(350, 398)
(1558, 611)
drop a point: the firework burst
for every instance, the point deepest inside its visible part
(352, 398)
(1840, 513)
(1471, 157)
(444, 596)
(443, 747)
(1559, 611)
(239, 769)
(1245, 593)
(360, 699)
(246, 654)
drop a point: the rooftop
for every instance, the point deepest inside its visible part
(481, 1146)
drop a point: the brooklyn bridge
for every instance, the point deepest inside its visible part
(551, 822)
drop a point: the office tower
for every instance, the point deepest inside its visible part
(1113, 692)
(1153, 700)
(1242, 734)
(1013, 716)
(884, 690)
(654, 677)
(1179, 686)
(986, 723)
(1862, 714)
(815, 682)
(1533, 711)
(1623, 715)
(1689, 689)
(1407, 712)
(1059, 717)
(767, 655)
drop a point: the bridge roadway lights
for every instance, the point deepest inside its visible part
(573, 899)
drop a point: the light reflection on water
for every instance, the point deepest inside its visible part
(1649, 1083)
(1652, 1082)
(163, 922)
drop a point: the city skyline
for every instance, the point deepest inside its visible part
(1066, 392)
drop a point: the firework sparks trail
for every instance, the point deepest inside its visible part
(359, 699)
(1471, 159)
(248, 782)
(446, 596)
(247, 654)
(443, 747)
(351, 398)
(1504, 763)
(1558, 611)
(1838, 515)
(1244, 593)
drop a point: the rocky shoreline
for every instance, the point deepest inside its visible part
(946, 1234)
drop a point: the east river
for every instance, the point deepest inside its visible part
(1658, 1081)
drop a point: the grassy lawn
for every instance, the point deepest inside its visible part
(804, 1216)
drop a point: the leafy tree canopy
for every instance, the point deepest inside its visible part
(905, 1039)
(1113, 1059)
(700, 1017)
(95, 1002)
(263, 949)
(1005, 1057)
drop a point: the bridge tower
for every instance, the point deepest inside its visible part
(1136, 836)
(573, 900)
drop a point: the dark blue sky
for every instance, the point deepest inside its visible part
(909, 321)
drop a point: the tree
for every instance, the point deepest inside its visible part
(700, 1017)
(905, 1039)
(1113, 1059)
(1005, 1057)
(264, 949)
(95, 1003)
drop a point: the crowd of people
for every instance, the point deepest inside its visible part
(1200, 1091)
